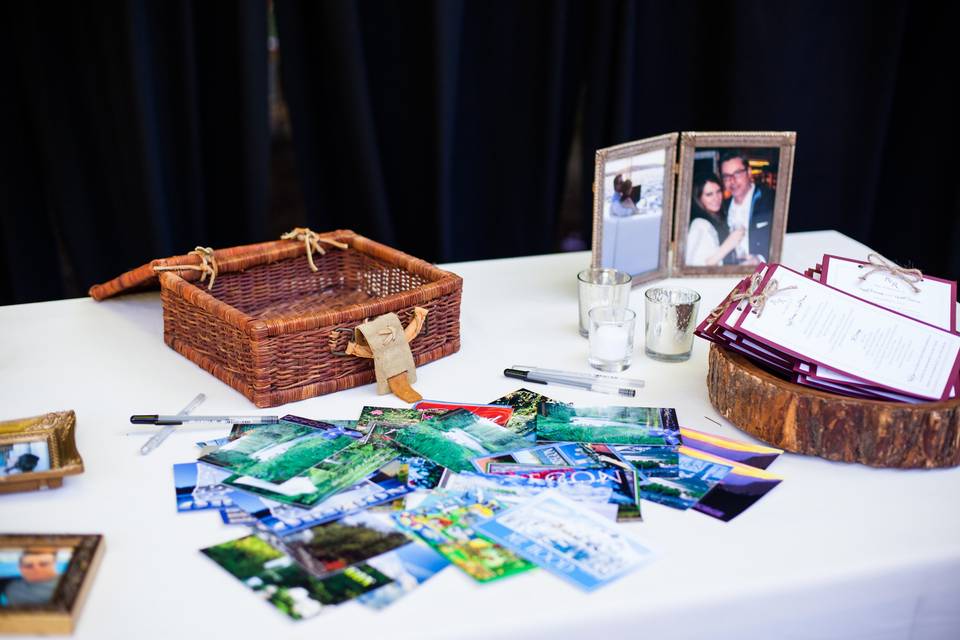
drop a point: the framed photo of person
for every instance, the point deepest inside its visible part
(732, 201)
(633, 207)
(36, 453)
(44, 580)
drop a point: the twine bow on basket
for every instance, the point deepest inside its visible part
(879, 264)
(312, 242)
(207, 266)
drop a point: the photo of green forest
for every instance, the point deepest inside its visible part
(607, 425)
(455, 438)
(333, 546)
(284, 583)
(525, 404)
(276, 453)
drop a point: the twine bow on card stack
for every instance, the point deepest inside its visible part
(754, 296)
(207, 266)
(312, 242)
(879, 264)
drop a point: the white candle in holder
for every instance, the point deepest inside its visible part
(609, 342)
(611, 338)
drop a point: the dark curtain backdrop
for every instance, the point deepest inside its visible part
(136, 130)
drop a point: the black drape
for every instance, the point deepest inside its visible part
(441, 127)
(139, 130)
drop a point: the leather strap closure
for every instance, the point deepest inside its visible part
(385, 338)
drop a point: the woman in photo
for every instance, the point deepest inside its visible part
(621, 205)
(710, 242)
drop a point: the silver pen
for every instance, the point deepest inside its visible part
(161, 435)
(155, 419)
(600, 378)
(599, 387)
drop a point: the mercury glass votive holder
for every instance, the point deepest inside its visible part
(601, 288)
(670, 318)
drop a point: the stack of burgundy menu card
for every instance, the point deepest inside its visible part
(866, 329)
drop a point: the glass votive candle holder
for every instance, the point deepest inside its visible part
(611, 337)
(601, 288)
(671, 317)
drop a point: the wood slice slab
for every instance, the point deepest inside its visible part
(811, 422)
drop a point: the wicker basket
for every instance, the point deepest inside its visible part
(276, 331)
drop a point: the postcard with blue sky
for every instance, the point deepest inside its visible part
(651, 461)
(409, 566)
(199, 487)
(612, 485)
(559, 454)
(567, 539)
(699, 473)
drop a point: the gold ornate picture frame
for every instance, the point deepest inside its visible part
(633, 192)
(25, 604)
(36, 453)
(732, 201)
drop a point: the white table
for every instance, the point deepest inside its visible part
(836, 551)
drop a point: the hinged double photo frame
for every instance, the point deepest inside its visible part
(692, 203)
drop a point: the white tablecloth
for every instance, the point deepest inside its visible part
(836, 551)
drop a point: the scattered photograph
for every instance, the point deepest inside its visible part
(560, 454)
(342, 470)
(524, 403)
(446, 526)
(275, 453)
(334, 546)
(200, 487)
(276, 578)
(30, 575)
(607, 425)
(387, 484)
(733, 200)
(633, 206)
(409, 566)
(754, 455)
(421, 473)
(603, 485)
(698, 475)
(455, 439)
(24, 457)
(371, 417)
(651, 461)
(498, 414)
(736, 492)
(236, 515)
(566, 539)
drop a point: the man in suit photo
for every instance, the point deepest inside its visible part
(750, 207)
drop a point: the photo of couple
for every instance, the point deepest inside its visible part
(732, 207)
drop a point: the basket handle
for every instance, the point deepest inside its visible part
(417, 323)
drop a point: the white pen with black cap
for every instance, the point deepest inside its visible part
(600, 386)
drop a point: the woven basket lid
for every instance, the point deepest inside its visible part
(146, 277)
